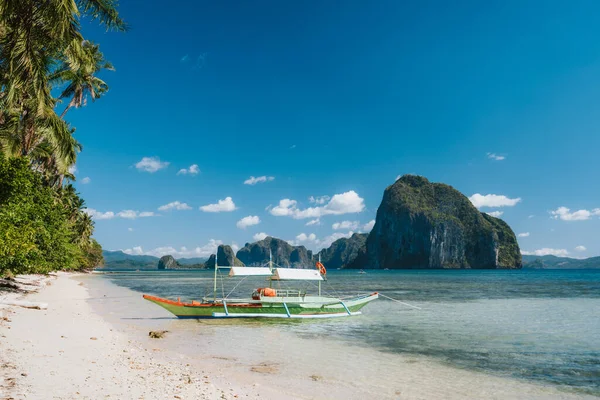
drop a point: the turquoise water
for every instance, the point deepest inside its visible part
(541, 326)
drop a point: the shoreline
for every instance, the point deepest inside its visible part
(87, 349)
(68, 351)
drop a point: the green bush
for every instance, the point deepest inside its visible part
(37, 233)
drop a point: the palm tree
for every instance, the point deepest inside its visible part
(41, 44)
(35, 37)
(80, 78)
(83, 225)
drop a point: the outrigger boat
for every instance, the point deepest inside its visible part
(269, 302)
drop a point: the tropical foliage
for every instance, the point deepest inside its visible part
(45, 61)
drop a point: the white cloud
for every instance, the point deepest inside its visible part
(496, 214)
(580, 248)
(284, 208)
(174, 205)
(199, 251)
(127, 214)
(98, 215)
(313, 222)
(303, 237)
(260, 179)
(259, 236)
(72, 169)
(224, 205)
(495, 157)
(85, 180)
(151, 164)
(131, 214)
(531, 216)
(565, 214)
(345, 225)
(192, 170)
(524, 234)
(130, 229)
(398, 177)
(369, 226)
(344, 203)
(546, 251)
(493, 200)
(248, 221)
(135, 251)
(311, 240)
(319, 199)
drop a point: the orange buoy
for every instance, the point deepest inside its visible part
(321, 268)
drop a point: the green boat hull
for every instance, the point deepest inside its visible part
(269, 308)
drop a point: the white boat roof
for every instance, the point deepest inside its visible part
(282, 274)
(250, 271)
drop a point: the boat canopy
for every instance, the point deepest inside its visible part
(250, 271)
(282, 274)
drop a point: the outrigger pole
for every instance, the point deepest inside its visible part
(270, 267)
(215, 283)
(319, 273)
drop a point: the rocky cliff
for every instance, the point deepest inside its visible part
(226, 257)
(346, 252)
(421, 224)
(210, 263)
(284, 254)
(167, 262)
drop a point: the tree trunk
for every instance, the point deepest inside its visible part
(65, 111)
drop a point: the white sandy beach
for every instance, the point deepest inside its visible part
(68, 352)
(71, 352)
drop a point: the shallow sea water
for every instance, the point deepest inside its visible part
(532, 325)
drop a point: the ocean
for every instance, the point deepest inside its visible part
(535, 326)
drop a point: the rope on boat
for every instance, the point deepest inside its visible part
(401, 302)
(238, 284)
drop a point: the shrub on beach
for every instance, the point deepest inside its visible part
(39, 231)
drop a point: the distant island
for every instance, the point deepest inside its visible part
(338, 255)
(419, 225)
(553, 262)
(119, 260)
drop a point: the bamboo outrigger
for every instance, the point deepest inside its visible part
(269, 302)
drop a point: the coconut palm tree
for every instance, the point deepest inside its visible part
(40, 44)
(83, 225)
(35, 37)
(81, 78)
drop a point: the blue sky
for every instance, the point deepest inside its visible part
(339, 98)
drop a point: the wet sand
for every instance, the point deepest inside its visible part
(93, 343)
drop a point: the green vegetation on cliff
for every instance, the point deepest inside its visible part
(345, 252)
(421, 224)
(509, 253)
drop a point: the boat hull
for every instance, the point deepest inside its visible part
(268, 309)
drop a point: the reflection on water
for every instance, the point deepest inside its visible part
(534, 325)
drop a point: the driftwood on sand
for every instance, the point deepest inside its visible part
(25, 304)
(157, 334)
(14, 287)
